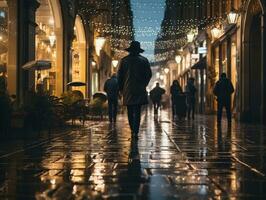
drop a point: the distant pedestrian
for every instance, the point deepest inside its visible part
(112, 90)
(5, 105)
(3, 83)
(156, 97)
(223, 90)
(134, 75)
(191, 97)
(178, 100)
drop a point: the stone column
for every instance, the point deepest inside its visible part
(26, 43)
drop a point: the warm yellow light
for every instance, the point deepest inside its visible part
(215, 32)
(157, 74)
(178, 59)
(52, 39)
(93, 63)
(161, 77)
(190, 36)
(166, 70)
(232, 17)
(48, 49)
(99, 43)
(115, 63)
(51, 21)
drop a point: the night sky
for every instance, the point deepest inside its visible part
(148, 14)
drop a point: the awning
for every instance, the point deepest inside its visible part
(202, 64)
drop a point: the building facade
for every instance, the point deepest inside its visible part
(219, 36)
(65, 33)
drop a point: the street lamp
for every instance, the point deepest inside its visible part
(52, 39)
(232, 17)
(115, 63)
(190, 36)
(93, 63)
(215, 32)
(178, 59)
(99, 43)
(166, 70)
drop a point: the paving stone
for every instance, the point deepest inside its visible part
(171, 160)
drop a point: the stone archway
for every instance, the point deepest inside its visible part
(252, 68)
(79, 55)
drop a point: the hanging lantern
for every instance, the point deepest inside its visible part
(215, 32)
(115, 63)
(99, 43)
(178, 59)
(52, 39)
(232, 17)
(93, 63)
(190, 36)
(166, 70)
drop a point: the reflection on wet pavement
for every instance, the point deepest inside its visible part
(171, 160)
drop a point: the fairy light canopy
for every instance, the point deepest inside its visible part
(158, 32)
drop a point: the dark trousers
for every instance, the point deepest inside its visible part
(134, 115)
(191, 108)
(221, 105)
(112, 109)
(156, 105)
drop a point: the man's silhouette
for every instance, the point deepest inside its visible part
(134, 75)
(191, 97)
(223, 90)
(112, 91)
(156, 97)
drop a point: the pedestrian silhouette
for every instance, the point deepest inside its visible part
(112, 90)
(178, 100)
(223, 90)
(191, 97)
(134, 75)
(156, 97)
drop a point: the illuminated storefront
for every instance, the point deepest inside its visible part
(49, 45)
(79, 55)
(224, 59)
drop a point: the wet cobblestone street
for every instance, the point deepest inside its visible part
(171, 160)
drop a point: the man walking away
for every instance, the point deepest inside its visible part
(191, 98)
(134, 75)
(112, 90)
(178, 103)
(156, 97)
(223, 90)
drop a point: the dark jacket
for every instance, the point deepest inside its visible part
(134, 75)
(223, 90)
(191, 93)
(111, 88)
(175, 91)
(156, 94)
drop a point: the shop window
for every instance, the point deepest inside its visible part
(8, 43)
(216, 63)
(95, 83)
(224, 57)
(48, 41)
(233, 66)
(46, 45)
